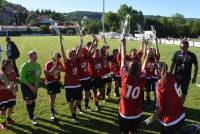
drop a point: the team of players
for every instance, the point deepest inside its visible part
(89, 68)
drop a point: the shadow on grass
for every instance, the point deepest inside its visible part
(193, 114)
(39, 129)
(69, 127)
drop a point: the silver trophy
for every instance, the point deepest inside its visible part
(81, 26)
(104, 40)
(140, 30)
(148, 39)
(54, 26)
(125, 25)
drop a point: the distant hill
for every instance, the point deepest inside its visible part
(9, 13)
(16, 14)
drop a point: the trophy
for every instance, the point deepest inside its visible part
(80, 26)
(54, 26)
(8, 83)
(104, 40)
(147, 40)
(125, 25)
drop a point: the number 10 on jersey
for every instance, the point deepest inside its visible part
(132, 92)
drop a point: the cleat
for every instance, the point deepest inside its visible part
(75, 121)
(88, 109)
(34, 122)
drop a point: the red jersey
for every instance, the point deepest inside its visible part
(128, 59)
(106, 65)
(96, 65)
(54, 77)
(169, 97)
(130, 106)
(5, 94)
(151, 66)
(138, 57)
(115, 67)
(84, 68)
(71, 74)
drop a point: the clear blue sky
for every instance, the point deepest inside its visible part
(189, 8)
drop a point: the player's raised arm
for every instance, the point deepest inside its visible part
(123, 50)
(146, 60)
(62, 49)
(157, 49)
(93, 45)
(141, 48)
(80, 47)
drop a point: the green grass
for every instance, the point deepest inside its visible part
(103, 122)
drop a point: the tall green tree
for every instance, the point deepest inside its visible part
(113, 21)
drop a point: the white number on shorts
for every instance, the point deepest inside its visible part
(135, 92)
(178, 90)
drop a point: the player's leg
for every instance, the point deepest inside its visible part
(3, 124)
(29, 98)
(70, 97)
(78, 96)
(117, 86)
(87, 86)
(9, 112)
(53, 89)
(184, 87)
(109, 86)
(148, 89)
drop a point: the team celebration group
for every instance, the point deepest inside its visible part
(88, 75)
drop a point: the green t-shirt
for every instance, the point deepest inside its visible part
(30, 73)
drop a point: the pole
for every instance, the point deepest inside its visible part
(103, 20)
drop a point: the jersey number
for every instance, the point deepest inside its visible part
(133, 92)
(178, 90)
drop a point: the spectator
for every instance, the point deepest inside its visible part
(12, 53)
(182, 62)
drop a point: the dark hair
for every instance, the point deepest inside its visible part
(115, 50)
(133, 69)
(185, 42)
(8, 38)
(133, 49)
(164, 73)
(89, 44)
(5, 63)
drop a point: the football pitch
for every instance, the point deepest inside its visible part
(105, 121)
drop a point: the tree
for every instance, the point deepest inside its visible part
(135, 17)
(113, 21)
(94, 27)
(196, 28)
(31, 19)
(45, 29)
(178, 19)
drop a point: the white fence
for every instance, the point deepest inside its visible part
(174, 42)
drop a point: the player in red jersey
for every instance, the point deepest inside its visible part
(137, 54)
(115, 69)
(85, 76)
(72, 85)
(150, 68)
(52, 69)
(170, 111)
(107, 76)
(133, 82)
(8, 88)
(96, 65)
